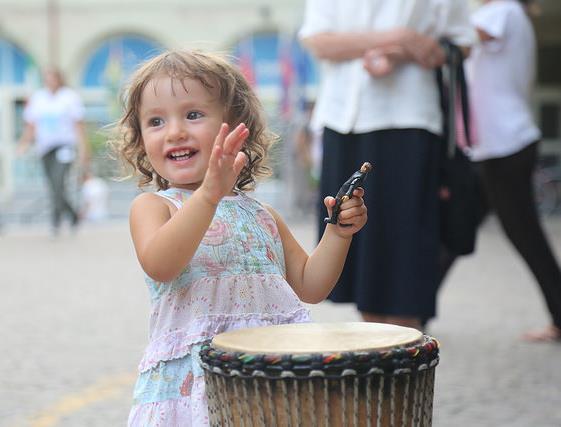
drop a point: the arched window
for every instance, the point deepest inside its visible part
(113, 61)
(18, 73)
(108, 68)
(278, 67)
(16, 66)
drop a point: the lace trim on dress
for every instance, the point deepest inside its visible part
(179, 343)
(189, 410)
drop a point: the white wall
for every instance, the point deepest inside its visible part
(83, 24)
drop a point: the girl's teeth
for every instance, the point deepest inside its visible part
(180, 155)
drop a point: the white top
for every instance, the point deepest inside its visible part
(349, 99)
(95, 198)
(54, 116)
(501, 74)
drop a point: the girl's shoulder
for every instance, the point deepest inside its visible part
(175, 196)
(146, 197)
(148, 202)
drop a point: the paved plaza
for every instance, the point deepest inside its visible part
(75, 316)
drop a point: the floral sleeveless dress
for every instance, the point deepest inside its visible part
(235, 280)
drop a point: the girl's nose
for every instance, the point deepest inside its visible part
(177, 131)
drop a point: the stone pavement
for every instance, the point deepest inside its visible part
(75, 315)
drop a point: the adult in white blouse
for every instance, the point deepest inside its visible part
(54, 121)
(501, 75)
(378, 102)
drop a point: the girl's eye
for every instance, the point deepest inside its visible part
(155, 121)
(193, 115)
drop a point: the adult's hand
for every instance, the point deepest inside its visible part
(383, 61)
(422, 49)
(26, 139)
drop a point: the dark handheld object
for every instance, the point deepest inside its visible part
(346, 191)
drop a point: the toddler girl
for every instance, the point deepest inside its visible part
(215, 259)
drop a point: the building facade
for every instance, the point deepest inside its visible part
(97, 43)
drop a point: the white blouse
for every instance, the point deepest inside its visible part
(349, 99)
(501, 75)
(54, 116)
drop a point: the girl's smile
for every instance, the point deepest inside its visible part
(180, 154)
(179, 121)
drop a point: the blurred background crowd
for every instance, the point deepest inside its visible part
(97, 44)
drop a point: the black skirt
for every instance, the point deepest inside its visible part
(392, 264)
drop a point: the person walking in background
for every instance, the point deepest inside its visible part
(501, 73)
(54, 119)
(215, 259)
(378, 101)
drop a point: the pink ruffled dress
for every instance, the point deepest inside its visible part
(235, 280)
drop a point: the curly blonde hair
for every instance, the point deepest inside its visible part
(216, 74)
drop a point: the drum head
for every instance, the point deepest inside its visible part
(306, 338)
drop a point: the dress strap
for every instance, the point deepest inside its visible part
(173, 200)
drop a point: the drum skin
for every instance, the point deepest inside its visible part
(390, 385)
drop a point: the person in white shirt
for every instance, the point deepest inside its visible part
(501, 73)
(54, 121)
(95, 198)
(378, 101)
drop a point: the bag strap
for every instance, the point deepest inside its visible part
(452, 86)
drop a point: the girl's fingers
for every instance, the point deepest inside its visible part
(215, 156)
(359, 192)
(352, 219)
(329, 202)
(235, 139)
(352, 202)
(227, 145)
(239, 162)
(349, 211)
(220, 138)
(243, 138)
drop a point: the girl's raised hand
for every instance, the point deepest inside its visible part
(353, 214)
(226, 162)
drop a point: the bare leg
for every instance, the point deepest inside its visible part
(371, 317)
(407, 321)
(508, 182)
(548, 334)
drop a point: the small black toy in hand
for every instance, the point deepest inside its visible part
(346, 191)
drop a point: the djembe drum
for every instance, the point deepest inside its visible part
(330, 374)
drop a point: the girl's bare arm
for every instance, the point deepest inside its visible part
(313, 276)
(165, 241)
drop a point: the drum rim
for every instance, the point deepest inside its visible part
(369, 333)
(411, 357)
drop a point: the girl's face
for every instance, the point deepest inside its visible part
(179, 122)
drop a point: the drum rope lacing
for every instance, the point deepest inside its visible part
(395, 361)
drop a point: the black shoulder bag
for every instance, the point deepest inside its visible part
(458, 213)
